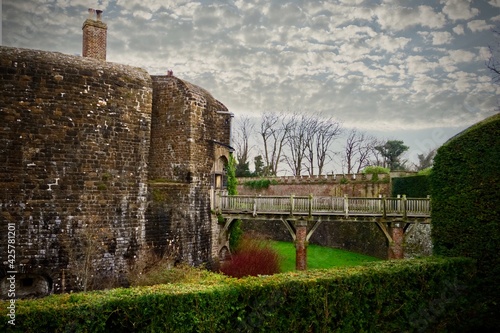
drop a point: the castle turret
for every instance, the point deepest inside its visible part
(94, 36)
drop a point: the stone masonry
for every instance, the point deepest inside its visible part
(99, 160)
(187, 130)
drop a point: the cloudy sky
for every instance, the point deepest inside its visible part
(412, 70)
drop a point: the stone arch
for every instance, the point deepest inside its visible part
(27, 285)
(218, 173)
(224, 253)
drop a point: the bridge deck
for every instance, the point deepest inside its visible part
(327, 208)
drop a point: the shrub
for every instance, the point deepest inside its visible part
(465, 206)
(425, 172)
(412, 186)
(235, 235)
(375, 170)
(417, 295)
(252, 258)
(259, 183)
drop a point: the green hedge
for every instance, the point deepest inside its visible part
(412, 186)
(465, 189)
(260, 183)
(393, 296)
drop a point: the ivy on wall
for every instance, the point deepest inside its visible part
(235, 232)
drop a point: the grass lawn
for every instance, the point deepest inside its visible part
(318, 256)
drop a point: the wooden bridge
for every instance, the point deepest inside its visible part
(394, 216)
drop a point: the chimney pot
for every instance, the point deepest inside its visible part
(99, 14)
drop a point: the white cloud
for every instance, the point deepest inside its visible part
(478, 25)
(459, 29)
(494, 3)
(151, 5)
(455, 57)
(463, 81)
(484, 53)
(459, 9)
(388, 43)
(441, 37)
(389, 65)
(142, 14)
(400, 18)
(419, 65)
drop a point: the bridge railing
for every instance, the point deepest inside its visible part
(324, 205)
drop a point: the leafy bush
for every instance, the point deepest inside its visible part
(418, 295)
(252, 258)
(465, 189)
(165, 273)
(260, 183)
(425, 172)
(375, 170)
(235, 234)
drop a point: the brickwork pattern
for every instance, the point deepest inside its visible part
(184, 134)
(94, 39)
(356, 185)
(102, 158)
(74, 150)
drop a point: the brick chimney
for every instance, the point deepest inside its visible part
(94, 36)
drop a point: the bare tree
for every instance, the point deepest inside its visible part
(318, 152)
(358, 151)
(310, 145)
(244, 129)
(493, 62)
(274, 129)
(300, 136)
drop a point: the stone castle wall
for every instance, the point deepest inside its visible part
(98, 160)
(185, 130)
(75, 144)
(352, 185)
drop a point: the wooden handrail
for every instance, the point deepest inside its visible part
(311, 205)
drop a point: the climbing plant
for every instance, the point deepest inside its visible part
(232, 182)
(235, 231)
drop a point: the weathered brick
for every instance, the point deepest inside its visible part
(100, 155)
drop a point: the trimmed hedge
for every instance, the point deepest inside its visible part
(260, 183)
(393, 296)
(412, 186)
(465, 189)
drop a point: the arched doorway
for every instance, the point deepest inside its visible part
(219, 179)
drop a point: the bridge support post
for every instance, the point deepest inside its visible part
(396, 246)
(301, 245)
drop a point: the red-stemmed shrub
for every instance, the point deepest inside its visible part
(252, 258)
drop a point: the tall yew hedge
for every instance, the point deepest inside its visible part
(465, 191)
(411, 186)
